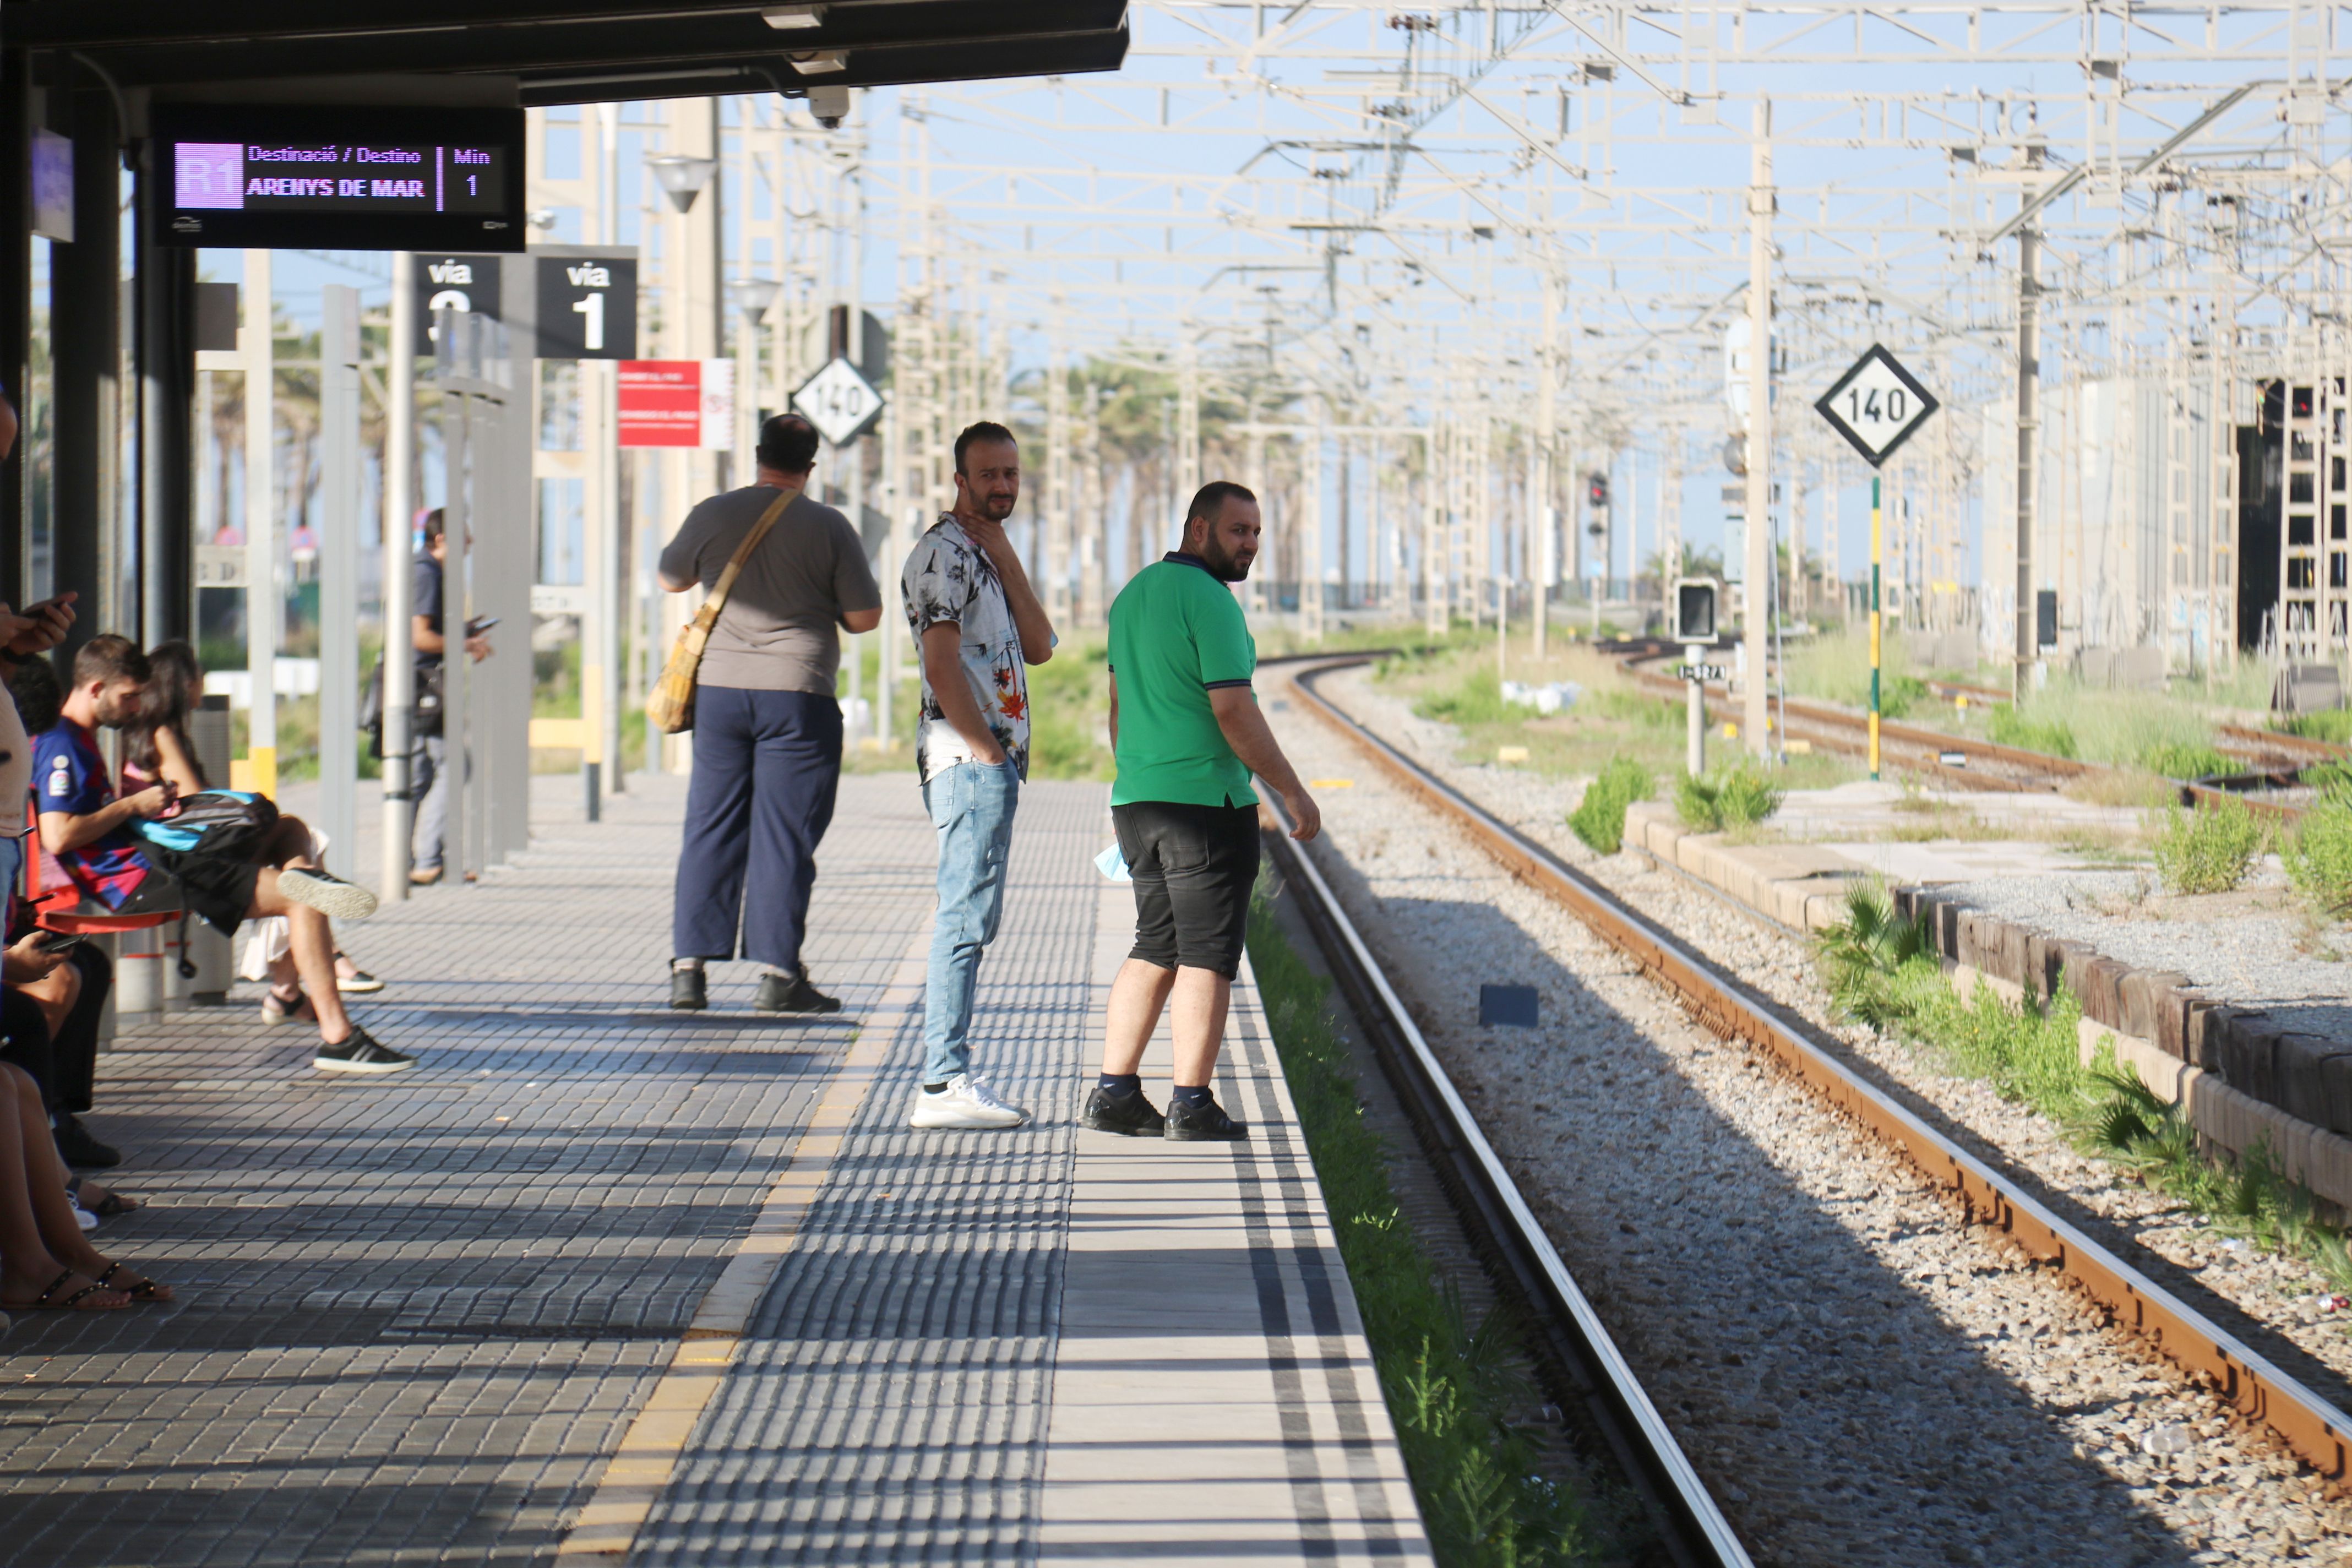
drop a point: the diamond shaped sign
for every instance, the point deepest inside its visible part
(840, 404)
(1876, 406)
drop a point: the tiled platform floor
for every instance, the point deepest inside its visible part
(419, 1315)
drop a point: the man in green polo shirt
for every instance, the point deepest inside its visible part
(1187, 732)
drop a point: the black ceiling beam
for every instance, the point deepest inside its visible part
(505, 49)
(1071, 55)
(104, 24)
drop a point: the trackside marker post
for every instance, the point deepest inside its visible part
(1876, 406)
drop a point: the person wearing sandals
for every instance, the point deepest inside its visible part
(87, 831)
(47, 1263)
(156, 749)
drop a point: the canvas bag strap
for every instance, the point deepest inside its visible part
(708, 617)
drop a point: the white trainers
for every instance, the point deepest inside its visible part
(966, 1102)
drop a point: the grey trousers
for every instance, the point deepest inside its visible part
(428, 786)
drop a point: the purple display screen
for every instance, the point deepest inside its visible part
(291, 177)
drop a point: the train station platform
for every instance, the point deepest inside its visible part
(602, 1283)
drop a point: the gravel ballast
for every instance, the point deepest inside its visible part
(1861, 1376)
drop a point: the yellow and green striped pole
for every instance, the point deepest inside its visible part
(1877, 554)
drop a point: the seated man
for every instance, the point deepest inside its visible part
(89, 832)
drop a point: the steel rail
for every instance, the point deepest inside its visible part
(1519, 1253)
(2317, 1430)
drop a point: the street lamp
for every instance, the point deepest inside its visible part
(754, 296)
(682, 177)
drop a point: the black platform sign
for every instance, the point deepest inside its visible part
(363, 178)
(446, 282)
(587, 307)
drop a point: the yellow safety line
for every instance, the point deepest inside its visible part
(641, 1466)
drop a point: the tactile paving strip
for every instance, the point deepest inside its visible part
(889, 1402)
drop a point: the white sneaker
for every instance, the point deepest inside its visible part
(966, 1102)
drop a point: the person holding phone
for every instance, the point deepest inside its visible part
(428, 764)
(86, 830)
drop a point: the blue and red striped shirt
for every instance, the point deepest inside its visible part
(69, 774)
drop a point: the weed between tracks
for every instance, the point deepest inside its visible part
(1883, 970)
(1452, 1390)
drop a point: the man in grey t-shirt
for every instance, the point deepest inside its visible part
(767, 728)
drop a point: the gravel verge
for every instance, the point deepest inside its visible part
(1863, 1377)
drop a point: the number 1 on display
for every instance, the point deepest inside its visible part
(592, 332)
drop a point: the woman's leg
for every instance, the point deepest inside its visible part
(312, 940)
(53, 1210)
(28, 1266)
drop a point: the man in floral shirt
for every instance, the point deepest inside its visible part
(978, 623)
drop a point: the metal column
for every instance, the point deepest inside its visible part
(338, 549)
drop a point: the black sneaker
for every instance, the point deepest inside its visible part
(687, 994)
(361, 1052)
(1131, 1115)
(77, 1147)
(1204, 1123)
(792, 993)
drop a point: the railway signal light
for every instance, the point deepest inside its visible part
(1695, 609)
(1596, 492)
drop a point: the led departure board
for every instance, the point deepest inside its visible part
(365, 178)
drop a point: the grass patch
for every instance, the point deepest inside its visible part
(1881, 969)
(1725, 801)
(1599, 817)
(2319, 859)
(2177, 759)
(2208, 850)
(2031, 732)
(2327, 724)
(1453, 1391)
(1475, 698)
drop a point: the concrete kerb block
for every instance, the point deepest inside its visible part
(2299, 1069)
(2147, 995)
(2248, 1055)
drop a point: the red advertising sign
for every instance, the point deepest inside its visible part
(677, 402)
(661, 403)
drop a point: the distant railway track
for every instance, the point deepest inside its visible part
(2258, 1389)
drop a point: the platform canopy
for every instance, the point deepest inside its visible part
(581, 51)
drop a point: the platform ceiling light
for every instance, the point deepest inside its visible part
(820, 62)
(794, 18)
(753, 296)
(682, 177)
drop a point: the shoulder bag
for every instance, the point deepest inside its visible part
(670, 704)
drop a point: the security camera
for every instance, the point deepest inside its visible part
(829, 105)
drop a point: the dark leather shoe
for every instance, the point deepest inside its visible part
(687, 994)
(779, 993)
(1203, 1123)
(1129, 1115)
(77, 1147)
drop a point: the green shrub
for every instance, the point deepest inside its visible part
(1898, 694)
(2177, 760)
(2051, 737)
(2319, 857)
(1870, 944)
(1599, 817)
(2331, 781)
(2208, 850)
(1739, 798)
(1453, 1392)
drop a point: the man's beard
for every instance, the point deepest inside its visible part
(996, 509)
(1221, 565)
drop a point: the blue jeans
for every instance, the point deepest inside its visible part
(765, 768)
(971, 805)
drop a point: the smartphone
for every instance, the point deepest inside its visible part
(479, 625)
(57, 940)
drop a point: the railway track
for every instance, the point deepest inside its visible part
(1958, 760)
(2319, 1432)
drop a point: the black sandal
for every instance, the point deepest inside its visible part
(42, 1302)
(145, 1290)
(111, 1206)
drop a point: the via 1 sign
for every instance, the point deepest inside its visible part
(1876, 406)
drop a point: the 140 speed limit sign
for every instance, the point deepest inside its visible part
(1876, 406)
